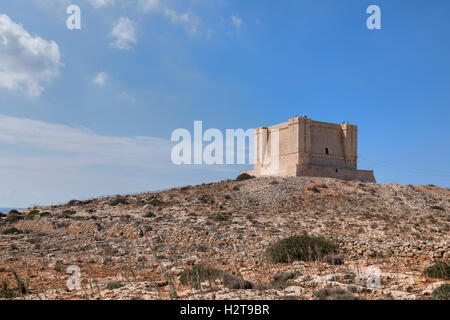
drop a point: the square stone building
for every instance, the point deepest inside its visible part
(303, 147)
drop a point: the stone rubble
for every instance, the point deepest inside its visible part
(148, 241)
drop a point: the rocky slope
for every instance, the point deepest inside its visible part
(136, 246)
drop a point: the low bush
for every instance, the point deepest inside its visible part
(6, 292)
(9, 293)
(11, 231)
(114, 285)
(156, 202)
(45, 214)
(73, 203)
(314, 189)
(437, 208)
(300, 247)
(117, 201)
(439, 270)
(442, 292)
(32, 214)
(69, 212)
(149, 215)
(22, 284)
(244, 176)
(14, 217)
(221, 217)
(198, 274)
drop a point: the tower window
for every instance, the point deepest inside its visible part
(326, 151)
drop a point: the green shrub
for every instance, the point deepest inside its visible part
(244, 176)
(300, 247)
(117, 201)
(221, 217)
(32, 214)
(22, 284)
(69, 212)
(149, 215)
(59, 266)
(73, 202)
(6, 292)
(439, 270)
(14, 211)
(198, 274)
(437, 208)
(2, 215)
(11, 231)
(314, 189)
(45, 214)
(114, 285)
(156, 202)
(442, 293)
(14, 217)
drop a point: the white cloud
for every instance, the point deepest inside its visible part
(148, 5)
(101, 3)
(57, 5)
(100, 78)
(27, 63)
(126, 97)
(186, 19)
(62, 163)
(124, 33)
(174, 17)
(89, 147)
(236, 21)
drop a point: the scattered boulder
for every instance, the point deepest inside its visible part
(330, 293)
(285, 276)
(232, 282)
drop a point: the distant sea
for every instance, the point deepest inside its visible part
(6, 210)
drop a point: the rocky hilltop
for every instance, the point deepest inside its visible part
(210, 242)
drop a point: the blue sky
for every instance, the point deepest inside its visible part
(90, 112)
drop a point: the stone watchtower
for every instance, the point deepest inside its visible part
(303, 147)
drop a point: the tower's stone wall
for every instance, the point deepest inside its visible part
(303, 147)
